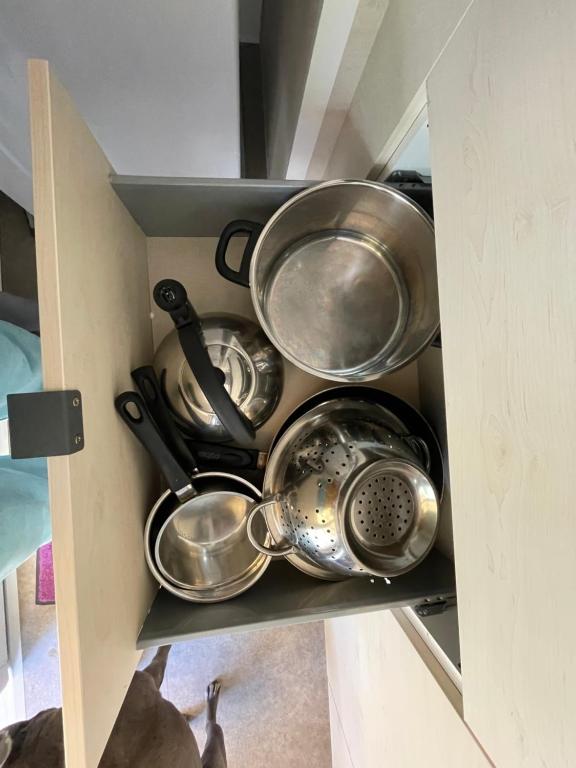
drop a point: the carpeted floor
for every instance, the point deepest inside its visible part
(274, 706)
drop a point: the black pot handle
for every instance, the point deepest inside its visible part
(136, 416)
(170, 295)
(215, 455)
(147, 382)
(237, 227)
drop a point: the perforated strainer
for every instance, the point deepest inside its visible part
(349, 496)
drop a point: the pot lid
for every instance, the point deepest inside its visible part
(249, 366)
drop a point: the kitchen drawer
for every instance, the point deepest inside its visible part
(102, 241)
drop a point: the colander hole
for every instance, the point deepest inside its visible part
(367, 530)
(333, 550)
(336, 473)
(327, 530)
(343, 464)
(330, 479)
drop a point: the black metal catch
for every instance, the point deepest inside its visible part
(45, 424)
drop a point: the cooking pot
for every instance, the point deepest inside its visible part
(246, 370)
(201, 547)
(342, 278)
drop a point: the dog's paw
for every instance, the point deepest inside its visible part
(213, 690)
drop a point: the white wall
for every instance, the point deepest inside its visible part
(416, 154)
(157, 82)
(287, 40)
(410, 39)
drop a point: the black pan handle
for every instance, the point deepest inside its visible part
(238, 227)
(147, 382)
(135, 415)
(170, 295)
(227, 457)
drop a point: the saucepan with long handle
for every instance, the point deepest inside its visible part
(196, 542)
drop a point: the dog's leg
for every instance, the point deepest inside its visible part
(157, 666)
(214, 755)
(212, 697)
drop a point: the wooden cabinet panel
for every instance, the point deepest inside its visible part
(390, 708)
(502, 110)
(94, 312)
(340, 752)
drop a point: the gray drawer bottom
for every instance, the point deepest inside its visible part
(286, 596)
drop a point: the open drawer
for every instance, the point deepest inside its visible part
(101, 243)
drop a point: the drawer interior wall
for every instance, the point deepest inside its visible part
(182, 232)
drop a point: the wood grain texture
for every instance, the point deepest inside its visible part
(502, 115)
(94, 312)
(390, 708)
(340, 752)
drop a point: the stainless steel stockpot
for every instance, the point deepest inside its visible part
(343, 279)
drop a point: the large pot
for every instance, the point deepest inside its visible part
(342, 278)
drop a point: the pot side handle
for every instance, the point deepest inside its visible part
(237, 227)
(279, 552)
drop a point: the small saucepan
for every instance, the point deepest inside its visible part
(200, 549)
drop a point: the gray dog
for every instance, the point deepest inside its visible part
(149, 732)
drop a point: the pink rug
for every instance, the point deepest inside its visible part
(45, 594)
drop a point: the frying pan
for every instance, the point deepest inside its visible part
(408, 417)
(205, 549)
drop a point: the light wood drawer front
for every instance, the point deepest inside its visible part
(502, 111)
(387, 707)
(94, 313)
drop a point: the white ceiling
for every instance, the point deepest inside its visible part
(156, 81)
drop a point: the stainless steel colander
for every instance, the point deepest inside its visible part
(349, 496)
